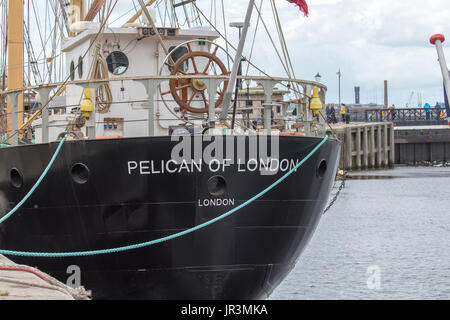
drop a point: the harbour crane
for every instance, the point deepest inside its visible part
(410, 99)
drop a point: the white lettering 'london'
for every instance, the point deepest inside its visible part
(216, 202)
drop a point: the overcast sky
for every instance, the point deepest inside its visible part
(368, 40)
(371, 41)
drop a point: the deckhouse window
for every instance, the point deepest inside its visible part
(176, 55)
(80, 67)
(117, 63)
(72, 71)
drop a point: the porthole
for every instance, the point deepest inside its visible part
(72, 70)
(217, 185)
(117, 63)
(80, 67)
(80, 173)
(321, 169)
(16, 178)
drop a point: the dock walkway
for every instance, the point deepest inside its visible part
(19, 282)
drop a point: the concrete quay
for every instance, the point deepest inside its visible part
(366, 145)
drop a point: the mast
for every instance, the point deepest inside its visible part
(76, 12)
(94, 9)
(15, 58)
(237, 62)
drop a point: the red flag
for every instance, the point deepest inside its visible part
(303, 6)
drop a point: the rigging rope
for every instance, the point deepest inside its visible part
(271, 40)
(99, 70)
(283, 45)
(248, 61)
(254, 38)
(173, 236)
(103, 94)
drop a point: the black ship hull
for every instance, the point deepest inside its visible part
(110, 193)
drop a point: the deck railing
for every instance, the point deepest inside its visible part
(151, 84)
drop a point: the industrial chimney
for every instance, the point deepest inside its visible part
(386, 102)
(357, 95)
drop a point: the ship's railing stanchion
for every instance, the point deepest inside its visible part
(151, 86)
(14, 100)
(322, 93)
(212, 85)
(298, 117)
(284, 108)
(307, 89)
(268, 86)
(267, 117)
(44, 99)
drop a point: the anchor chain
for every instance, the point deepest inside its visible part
(336, 196)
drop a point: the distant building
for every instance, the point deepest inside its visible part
(365, 107)
(254, 98)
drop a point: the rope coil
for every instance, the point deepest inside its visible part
(171, 237)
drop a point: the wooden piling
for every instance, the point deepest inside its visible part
(358, 148)
(379, 146)
(348, 148)
(372, 146)
(366, 145)
(385, 146)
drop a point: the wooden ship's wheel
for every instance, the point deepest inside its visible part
(192, 94)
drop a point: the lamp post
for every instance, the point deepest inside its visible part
(248, 82)
(339, 76)
(318, 77)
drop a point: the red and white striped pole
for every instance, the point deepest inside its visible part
(437, 40)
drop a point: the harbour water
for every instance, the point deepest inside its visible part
(387, 237)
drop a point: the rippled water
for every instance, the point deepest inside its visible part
(385, 238)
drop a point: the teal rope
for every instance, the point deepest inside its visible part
(176, 235)
(36, 185)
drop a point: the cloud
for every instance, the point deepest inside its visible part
(370, 41)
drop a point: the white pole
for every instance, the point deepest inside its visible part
(437, 41)
(227, 97)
